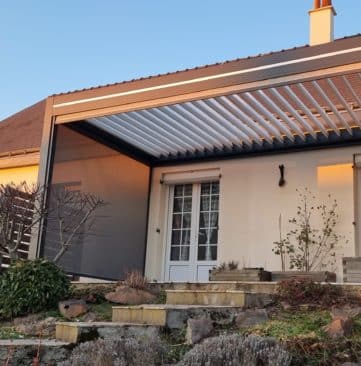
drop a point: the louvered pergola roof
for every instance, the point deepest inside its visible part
(307, 97)
(257, 119)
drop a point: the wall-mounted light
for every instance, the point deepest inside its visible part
(282, 180)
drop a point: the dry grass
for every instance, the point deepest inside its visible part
(135, 279)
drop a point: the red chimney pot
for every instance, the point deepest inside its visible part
(326, 3)
(317, 4)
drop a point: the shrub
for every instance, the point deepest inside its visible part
(136, 280)
(237, 350)
(31, 286)
(118, 352)
(296, 291)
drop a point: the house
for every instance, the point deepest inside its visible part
(20, 141)
(190, 162)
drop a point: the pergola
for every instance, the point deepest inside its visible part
(293, 100)
(304, 97)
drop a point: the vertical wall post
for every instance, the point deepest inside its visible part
(46, 157)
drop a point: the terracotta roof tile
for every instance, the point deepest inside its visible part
(23, 130)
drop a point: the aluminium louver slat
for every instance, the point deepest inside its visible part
(332, 106)
(243, 105)
(319, 109)
(259, 106)
(344, 102)
(238, 113)
(206, 125)
(305, 110)
(287, 120)
(155, 132)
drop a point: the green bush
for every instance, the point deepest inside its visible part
(31, 286)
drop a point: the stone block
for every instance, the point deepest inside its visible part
(70, 309)
(198, 329)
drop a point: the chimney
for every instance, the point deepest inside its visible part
(321, 22)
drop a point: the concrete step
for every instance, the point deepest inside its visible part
(170, 316)
(250, 286)
(74, 332)
(233, 298)
(206, 297)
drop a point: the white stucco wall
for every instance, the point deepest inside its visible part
(251, 202)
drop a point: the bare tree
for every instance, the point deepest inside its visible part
(72, 216)
(23, 207)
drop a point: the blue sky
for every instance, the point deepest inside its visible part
(48, 47)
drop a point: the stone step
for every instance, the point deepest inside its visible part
(74, 332)
(249, 286)
(233, 298)
(170, 316)
(206, 297)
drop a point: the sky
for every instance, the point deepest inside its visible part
(48, 47)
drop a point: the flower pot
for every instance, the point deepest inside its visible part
(316, 276)
(245, 275)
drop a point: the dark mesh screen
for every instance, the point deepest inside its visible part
(116, 240)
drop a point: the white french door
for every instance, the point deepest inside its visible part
(192, 240)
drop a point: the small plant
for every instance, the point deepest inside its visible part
(123, 352)
(282, 246)
(232, 265)
(235, 350)
(136, 280)
(31, 286)
(297, 291)
(224, 266)
(309, 247)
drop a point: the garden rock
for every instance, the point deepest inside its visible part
(130, 296)
(251, 318)
(339, 327)
(198, 329)
(70, 309)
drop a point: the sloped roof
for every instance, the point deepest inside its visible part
(203, 67)
(23, 130)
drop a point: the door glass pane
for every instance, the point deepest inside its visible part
(181, 222)
(177, 205)
(208, 222)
